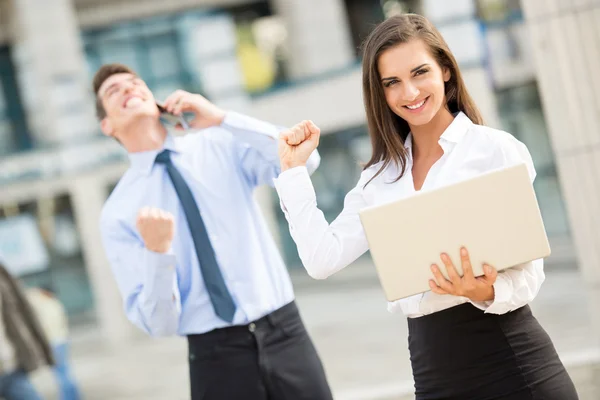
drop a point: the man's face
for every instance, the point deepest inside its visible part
(126, 99)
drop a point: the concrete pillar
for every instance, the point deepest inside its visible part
(319, 37)
(566, 44)
(53, 78)
(88, 195)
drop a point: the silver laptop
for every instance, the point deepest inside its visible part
(495, 216)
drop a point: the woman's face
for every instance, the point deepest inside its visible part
(413, 82)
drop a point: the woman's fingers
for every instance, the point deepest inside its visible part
(466, 264)
(440, 279)
(490, 275)
(452, 273)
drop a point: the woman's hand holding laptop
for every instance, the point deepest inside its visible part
(474, 288)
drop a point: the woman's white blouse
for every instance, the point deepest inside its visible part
(469, 150)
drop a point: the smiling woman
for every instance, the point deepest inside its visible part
(470, 337)
(421, 85)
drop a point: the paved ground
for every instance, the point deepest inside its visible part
(363, 347)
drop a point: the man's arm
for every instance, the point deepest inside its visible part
(256, 141)
(145, 276)
(257, 148)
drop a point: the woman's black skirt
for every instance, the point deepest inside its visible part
(463, 353)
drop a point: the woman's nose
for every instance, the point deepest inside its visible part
(410, 92)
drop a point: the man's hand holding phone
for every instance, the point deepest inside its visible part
(205, 113)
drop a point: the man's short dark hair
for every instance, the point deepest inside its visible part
(105, 72)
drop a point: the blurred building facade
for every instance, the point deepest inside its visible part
(282, 61)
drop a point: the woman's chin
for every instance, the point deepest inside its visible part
(417, 120)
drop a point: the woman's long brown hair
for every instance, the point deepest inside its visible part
(387, 130)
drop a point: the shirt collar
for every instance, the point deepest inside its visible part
(143, 161)
(451, 136)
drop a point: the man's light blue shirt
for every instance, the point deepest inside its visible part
(164, 294)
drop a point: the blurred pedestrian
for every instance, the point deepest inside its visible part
(190, 250)
(53, 318)
(23, 344)
(470, 338)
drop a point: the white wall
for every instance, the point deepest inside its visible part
(102, 12)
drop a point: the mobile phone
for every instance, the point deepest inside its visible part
(171, 118)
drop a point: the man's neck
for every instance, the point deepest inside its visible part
(145, 135)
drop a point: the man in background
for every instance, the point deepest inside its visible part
(190, 250)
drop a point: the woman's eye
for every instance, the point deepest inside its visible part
(390, 83)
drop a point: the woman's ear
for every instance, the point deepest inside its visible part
(447, 74)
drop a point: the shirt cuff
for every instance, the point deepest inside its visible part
(159, 275)
(502, 295)
(235, 121)
(294, 187)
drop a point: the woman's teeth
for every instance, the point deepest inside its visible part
(415, 106)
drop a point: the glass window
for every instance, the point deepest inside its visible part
(521, 114)
(45, 251)
(14, 133)
(124, 52)
(7, 143)
(6, 129)
(164, 58)
(153, 53)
